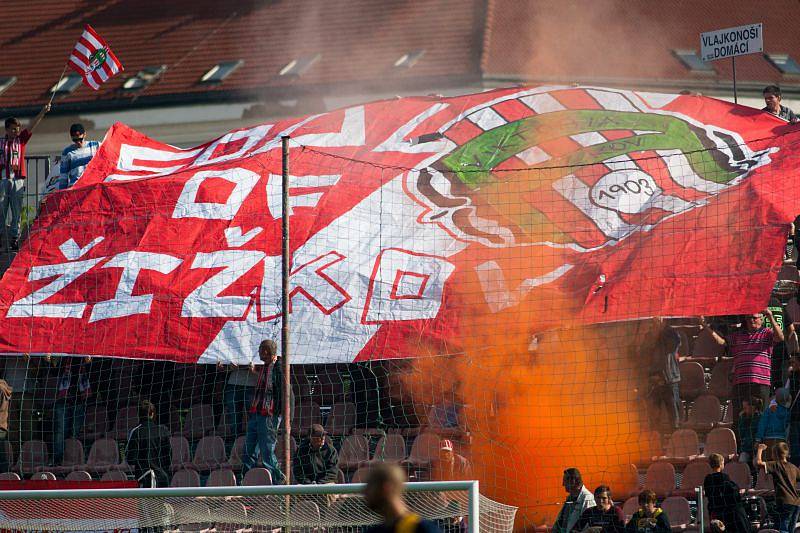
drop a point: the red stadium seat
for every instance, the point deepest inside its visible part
(209, 454)
(221, 478)
(704, 413)
(693, 380)
(354, 452)
(739, 474)
(79, 475)
(391, 448)
(693, 476)
(44, 476)
(33, 457)
(630, 506)
(103, 456)
(257, 477)
(180, 457)
(677, 509)
(424, 450)
(199, 422)
(73, 456)
(237, 453)
(683, 446)
(114, 475)
(185, 478)
(9, 476)
(721, 441)
(660, 478)
(721, 383)
(360, 475)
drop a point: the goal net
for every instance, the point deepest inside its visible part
(313, 508)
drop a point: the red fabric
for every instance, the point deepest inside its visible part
(406, 217)
(93, 59)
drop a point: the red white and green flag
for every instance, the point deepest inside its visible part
(93, 59)
(410, 217)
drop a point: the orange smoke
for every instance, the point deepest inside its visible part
(571, 401)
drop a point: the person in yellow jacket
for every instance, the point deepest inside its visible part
(649, 518)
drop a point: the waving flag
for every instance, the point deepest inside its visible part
(93, 59)
(408, 217)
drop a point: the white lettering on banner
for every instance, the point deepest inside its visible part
(66, 273)
(496, 291)
(397, 141)
(188, 206)
(205, 301)
(406, 286)
(72, 251)
(133, 158)
(309, 279)
(250, 136)
(236, 238)
(352, 133)
(124, 303)
(308, 199)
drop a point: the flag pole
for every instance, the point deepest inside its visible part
(53, 93)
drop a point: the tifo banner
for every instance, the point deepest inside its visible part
(406, 214)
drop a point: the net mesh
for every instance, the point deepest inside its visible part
(333, 512)
(503, 364)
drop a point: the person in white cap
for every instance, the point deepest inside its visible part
(449, 465)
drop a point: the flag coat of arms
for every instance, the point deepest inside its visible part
(409, 218)
(93, 59)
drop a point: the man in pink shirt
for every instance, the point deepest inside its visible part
(12, 170)
(751, 349)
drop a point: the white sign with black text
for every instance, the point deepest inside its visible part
(731, 42)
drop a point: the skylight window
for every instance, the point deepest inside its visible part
(692, 61)
(145, 77)
(784, 62)
(299, 65)
(6, 82)
(220, 71)
(67, 84)
(408, 60)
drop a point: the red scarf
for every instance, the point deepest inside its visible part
(262, 400)
(10, 155)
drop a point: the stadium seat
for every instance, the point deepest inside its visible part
(44, 476)
(360, 475)
(237, 453)
(199, 422)
(721, 441)
(103, 456)
(341, 419)
(73, 456)
(789, 273)
(95, 425)
(305, 414)
(33, 457)
(209, 454)
(114, 475)
(704, 413)
(354, 452)
(693, 380)
(391, 448)
(127, 419)
(257, 477)
(660, 478)
(739, 474)
(279, 447)
(693, 476)
(180, 455)
(630, 506)
(677, 509)
(683, 446)
(79, 475)
(424, 450)
(185, 478)
(9, 476)
(705, 347)
(721, 382)
(221, 478)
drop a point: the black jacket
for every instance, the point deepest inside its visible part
(148, 447)
(277, 390)
(315, 466)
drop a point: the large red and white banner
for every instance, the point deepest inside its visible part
(406, 214)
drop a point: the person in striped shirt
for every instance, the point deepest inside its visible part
(751, 349)
(76, 156)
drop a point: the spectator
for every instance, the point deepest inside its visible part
(772, 97)
(384, 495)
(724, 497)
(751, 349)
(149, 451)
(605, 517)
(649, 518)
(794, 409)
(785, 477)
(265, 411)
(665, 374)
(76, 156)
(775, 421)
(316, 459)
(5, 404)
(73, 390)
(716, 526)
(449, 466)
(12, 170)
(578, 501)
(237, 397)
(748, 429)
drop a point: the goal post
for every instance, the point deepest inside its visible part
(239, 508)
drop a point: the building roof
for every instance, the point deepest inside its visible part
(354, 44)
(607, 41)
(356, 41)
